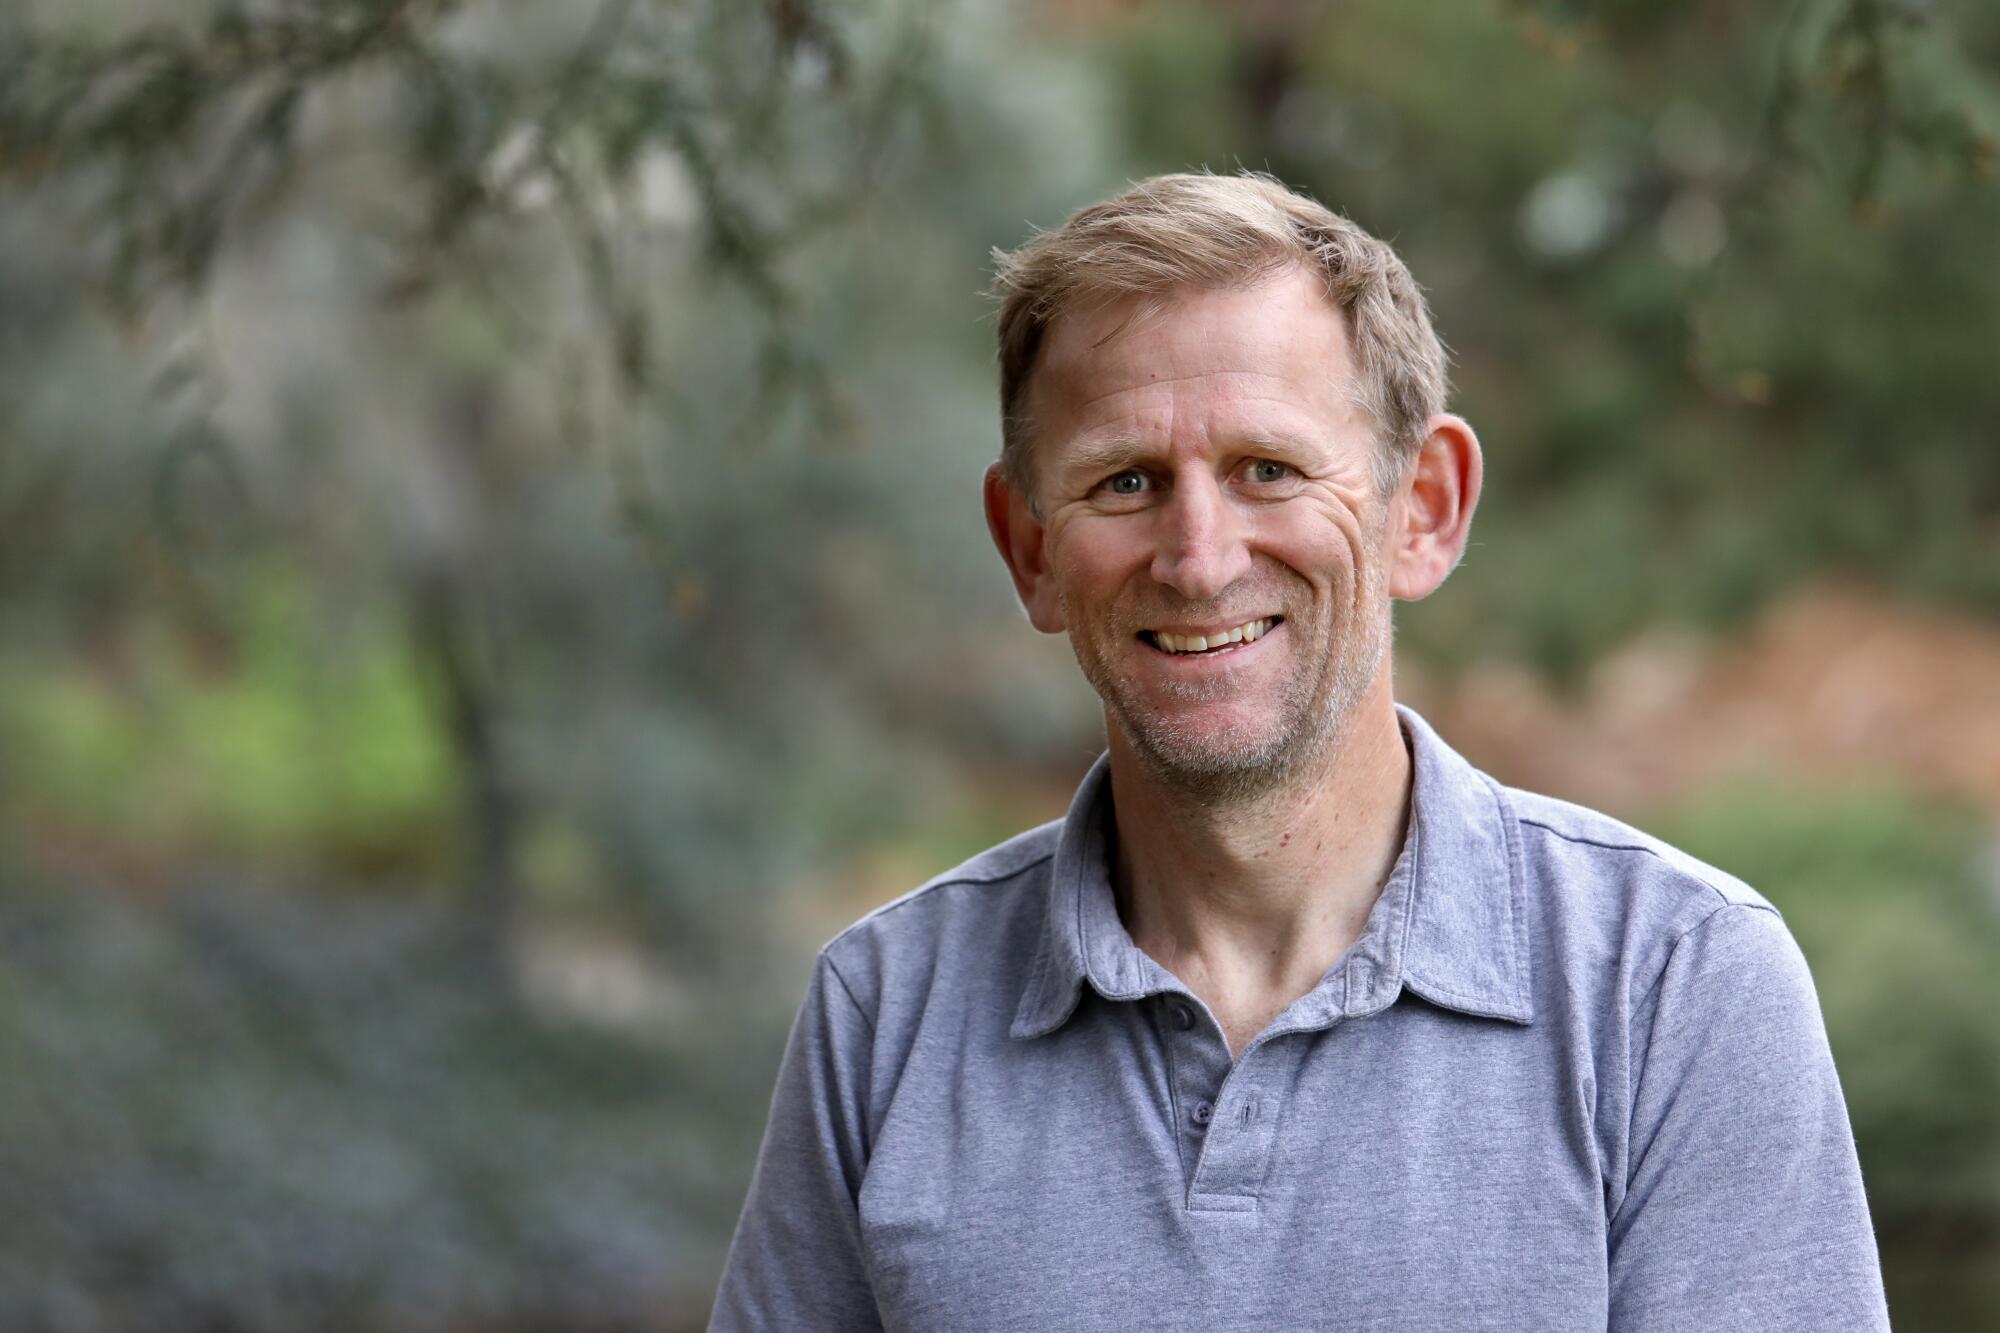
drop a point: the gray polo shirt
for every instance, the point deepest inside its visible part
(1567, 1078)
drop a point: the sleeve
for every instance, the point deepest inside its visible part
(1743, 1206)
(796, 1259)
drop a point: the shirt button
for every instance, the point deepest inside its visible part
(1183, 1017)
(1203, 1112)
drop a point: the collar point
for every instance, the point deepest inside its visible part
(1513, 1008)
(1041, 1012)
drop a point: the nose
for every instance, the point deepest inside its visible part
(1199, 546)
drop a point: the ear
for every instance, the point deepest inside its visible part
(1019, 536)
(1432, 515)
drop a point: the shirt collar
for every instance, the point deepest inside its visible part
(1450, 923)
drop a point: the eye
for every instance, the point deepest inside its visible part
(1264, 471)
(1127, 483)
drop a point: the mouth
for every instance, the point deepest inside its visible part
(1214, 644)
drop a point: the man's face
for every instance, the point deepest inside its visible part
(1204, 473)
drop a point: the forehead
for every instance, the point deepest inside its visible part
(1273, 355)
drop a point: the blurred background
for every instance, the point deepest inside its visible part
(491, 574)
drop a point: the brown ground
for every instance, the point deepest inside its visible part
(1835, 683)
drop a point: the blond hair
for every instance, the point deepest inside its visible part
(1203, 232)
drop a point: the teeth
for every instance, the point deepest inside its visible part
(1197, 643)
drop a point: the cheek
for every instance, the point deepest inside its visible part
(1327, 550)
(1101, 554)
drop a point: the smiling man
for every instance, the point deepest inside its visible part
(1296, 1020)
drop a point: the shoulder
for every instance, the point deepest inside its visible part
(1598, 861)
(1619, 902)
(973, 886)
(976, 923)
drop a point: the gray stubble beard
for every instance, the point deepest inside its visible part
(1313, 724)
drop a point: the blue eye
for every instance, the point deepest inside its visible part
(1126, 483)
(1266, 470)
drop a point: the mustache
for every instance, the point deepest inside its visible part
(1231, 608)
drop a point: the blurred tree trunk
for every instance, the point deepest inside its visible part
(1275, 35)
(490, 810)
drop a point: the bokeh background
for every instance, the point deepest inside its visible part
(491, 575)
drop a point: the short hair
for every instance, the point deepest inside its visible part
(1205, 231)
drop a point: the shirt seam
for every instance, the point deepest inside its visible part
(849, 991)
(1672, 866)
(1645, 1066)
(1583, 841)
(1681, 938)
(925, 891)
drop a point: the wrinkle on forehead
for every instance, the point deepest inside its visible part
(1095, 355)
(1155, 381)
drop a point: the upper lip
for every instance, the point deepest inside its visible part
(1218, 627)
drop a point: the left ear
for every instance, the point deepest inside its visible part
(1431, 512)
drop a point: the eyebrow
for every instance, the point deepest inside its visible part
(1281, 440)
(1110, 452)
(1103, 454)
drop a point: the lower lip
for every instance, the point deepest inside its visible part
(1233, 654)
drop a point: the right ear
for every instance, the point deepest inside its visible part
(1020, 538)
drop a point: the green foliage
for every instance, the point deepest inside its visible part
(273, 753)
(251, 1111)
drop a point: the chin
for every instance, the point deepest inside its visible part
(1219, 763)
(1212, 782)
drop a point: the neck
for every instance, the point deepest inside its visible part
(1258, 898)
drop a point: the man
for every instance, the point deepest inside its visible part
(1296, 1020)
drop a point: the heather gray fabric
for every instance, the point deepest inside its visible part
(1567, 1078)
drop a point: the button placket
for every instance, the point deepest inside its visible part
(1241, 1129)
(1199, 1064)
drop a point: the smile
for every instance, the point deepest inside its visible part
(1221, 641)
